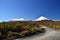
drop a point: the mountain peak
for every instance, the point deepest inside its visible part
(41, 18)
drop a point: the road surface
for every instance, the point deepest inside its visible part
(49, 35)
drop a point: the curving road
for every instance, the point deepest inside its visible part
(49, 35)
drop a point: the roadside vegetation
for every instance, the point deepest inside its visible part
(10, 31)
(55, 26)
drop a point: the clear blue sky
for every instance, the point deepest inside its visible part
(29, 9)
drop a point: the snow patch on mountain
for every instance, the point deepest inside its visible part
(20, 19)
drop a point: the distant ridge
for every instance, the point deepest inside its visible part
(38, 19)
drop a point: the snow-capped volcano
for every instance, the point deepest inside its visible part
(41, 18)
(20, 19)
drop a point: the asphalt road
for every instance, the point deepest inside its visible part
(49, 35)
